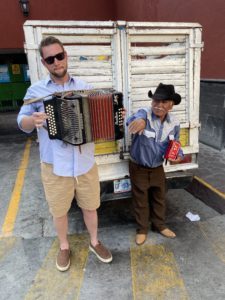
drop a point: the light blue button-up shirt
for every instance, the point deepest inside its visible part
(67, 160)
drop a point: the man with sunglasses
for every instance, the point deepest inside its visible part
(66, 170)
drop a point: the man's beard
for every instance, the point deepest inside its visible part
(59, 75)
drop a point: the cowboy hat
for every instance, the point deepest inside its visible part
(165, 92)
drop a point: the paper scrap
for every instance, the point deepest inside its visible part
(192, 217)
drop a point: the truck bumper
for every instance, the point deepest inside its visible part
(174, 180)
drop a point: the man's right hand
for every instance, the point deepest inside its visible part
(39, 119)
(137, 126)
(36, 120)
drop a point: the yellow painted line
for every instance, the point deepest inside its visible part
(216, 241)
(49, 283)
(9, 222)
(6, 244)
(210, 187)
(155, 274)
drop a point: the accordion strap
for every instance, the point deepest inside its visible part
(33, 100)
(62, 95)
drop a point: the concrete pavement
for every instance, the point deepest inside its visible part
(189, 267)
(209, 181)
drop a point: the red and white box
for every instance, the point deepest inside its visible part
(172, 150)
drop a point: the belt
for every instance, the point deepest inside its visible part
(145, 167)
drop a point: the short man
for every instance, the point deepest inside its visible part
(66, 170)
(152, 129)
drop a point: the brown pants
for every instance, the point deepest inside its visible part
(143, 181)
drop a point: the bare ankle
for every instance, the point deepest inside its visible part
(64, 246)
(94, 242)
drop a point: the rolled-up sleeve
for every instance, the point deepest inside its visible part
(26, 110)
(140, 114)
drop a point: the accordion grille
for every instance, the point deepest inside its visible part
(72, 121)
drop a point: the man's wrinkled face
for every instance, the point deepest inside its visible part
(161, 107)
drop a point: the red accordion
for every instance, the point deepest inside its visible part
(172, 150)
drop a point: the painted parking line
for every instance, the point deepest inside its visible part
(209, 186)
(155, 274)
(9, 222)
(49, 283)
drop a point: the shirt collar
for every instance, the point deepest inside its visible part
(48, 80)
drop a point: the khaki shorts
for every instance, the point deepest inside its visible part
(60, 191)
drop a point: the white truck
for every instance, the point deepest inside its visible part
(130, 57)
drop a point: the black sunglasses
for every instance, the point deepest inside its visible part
(50, 60)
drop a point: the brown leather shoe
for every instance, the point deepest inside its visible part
(102, 253)
(63, 260)
(140, 238)
(168, 233)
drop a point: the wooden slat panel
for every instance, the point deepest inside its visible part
(179, 89)
(170, 25)
(31, 54)
(157, 70)
(147, 103)
(157, 38)
(149, 77)
(174, 61)
(157, 50)
(88, 72)
(85, 64)
(88, 50)
(83, 39)
(142, 97)
(150, 83)
(116, 45)
(144, 91)
(102, 85)
(182, 117)
(54, 23)
(76, 31)
(154, 31)
(93, 79)
(38, 38)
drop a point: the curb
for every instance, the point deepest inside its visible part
(207, 194)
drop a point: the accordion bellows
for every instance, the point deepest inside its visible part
(79, 117)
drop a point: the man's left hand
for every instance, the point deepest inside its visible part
(175, 161)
